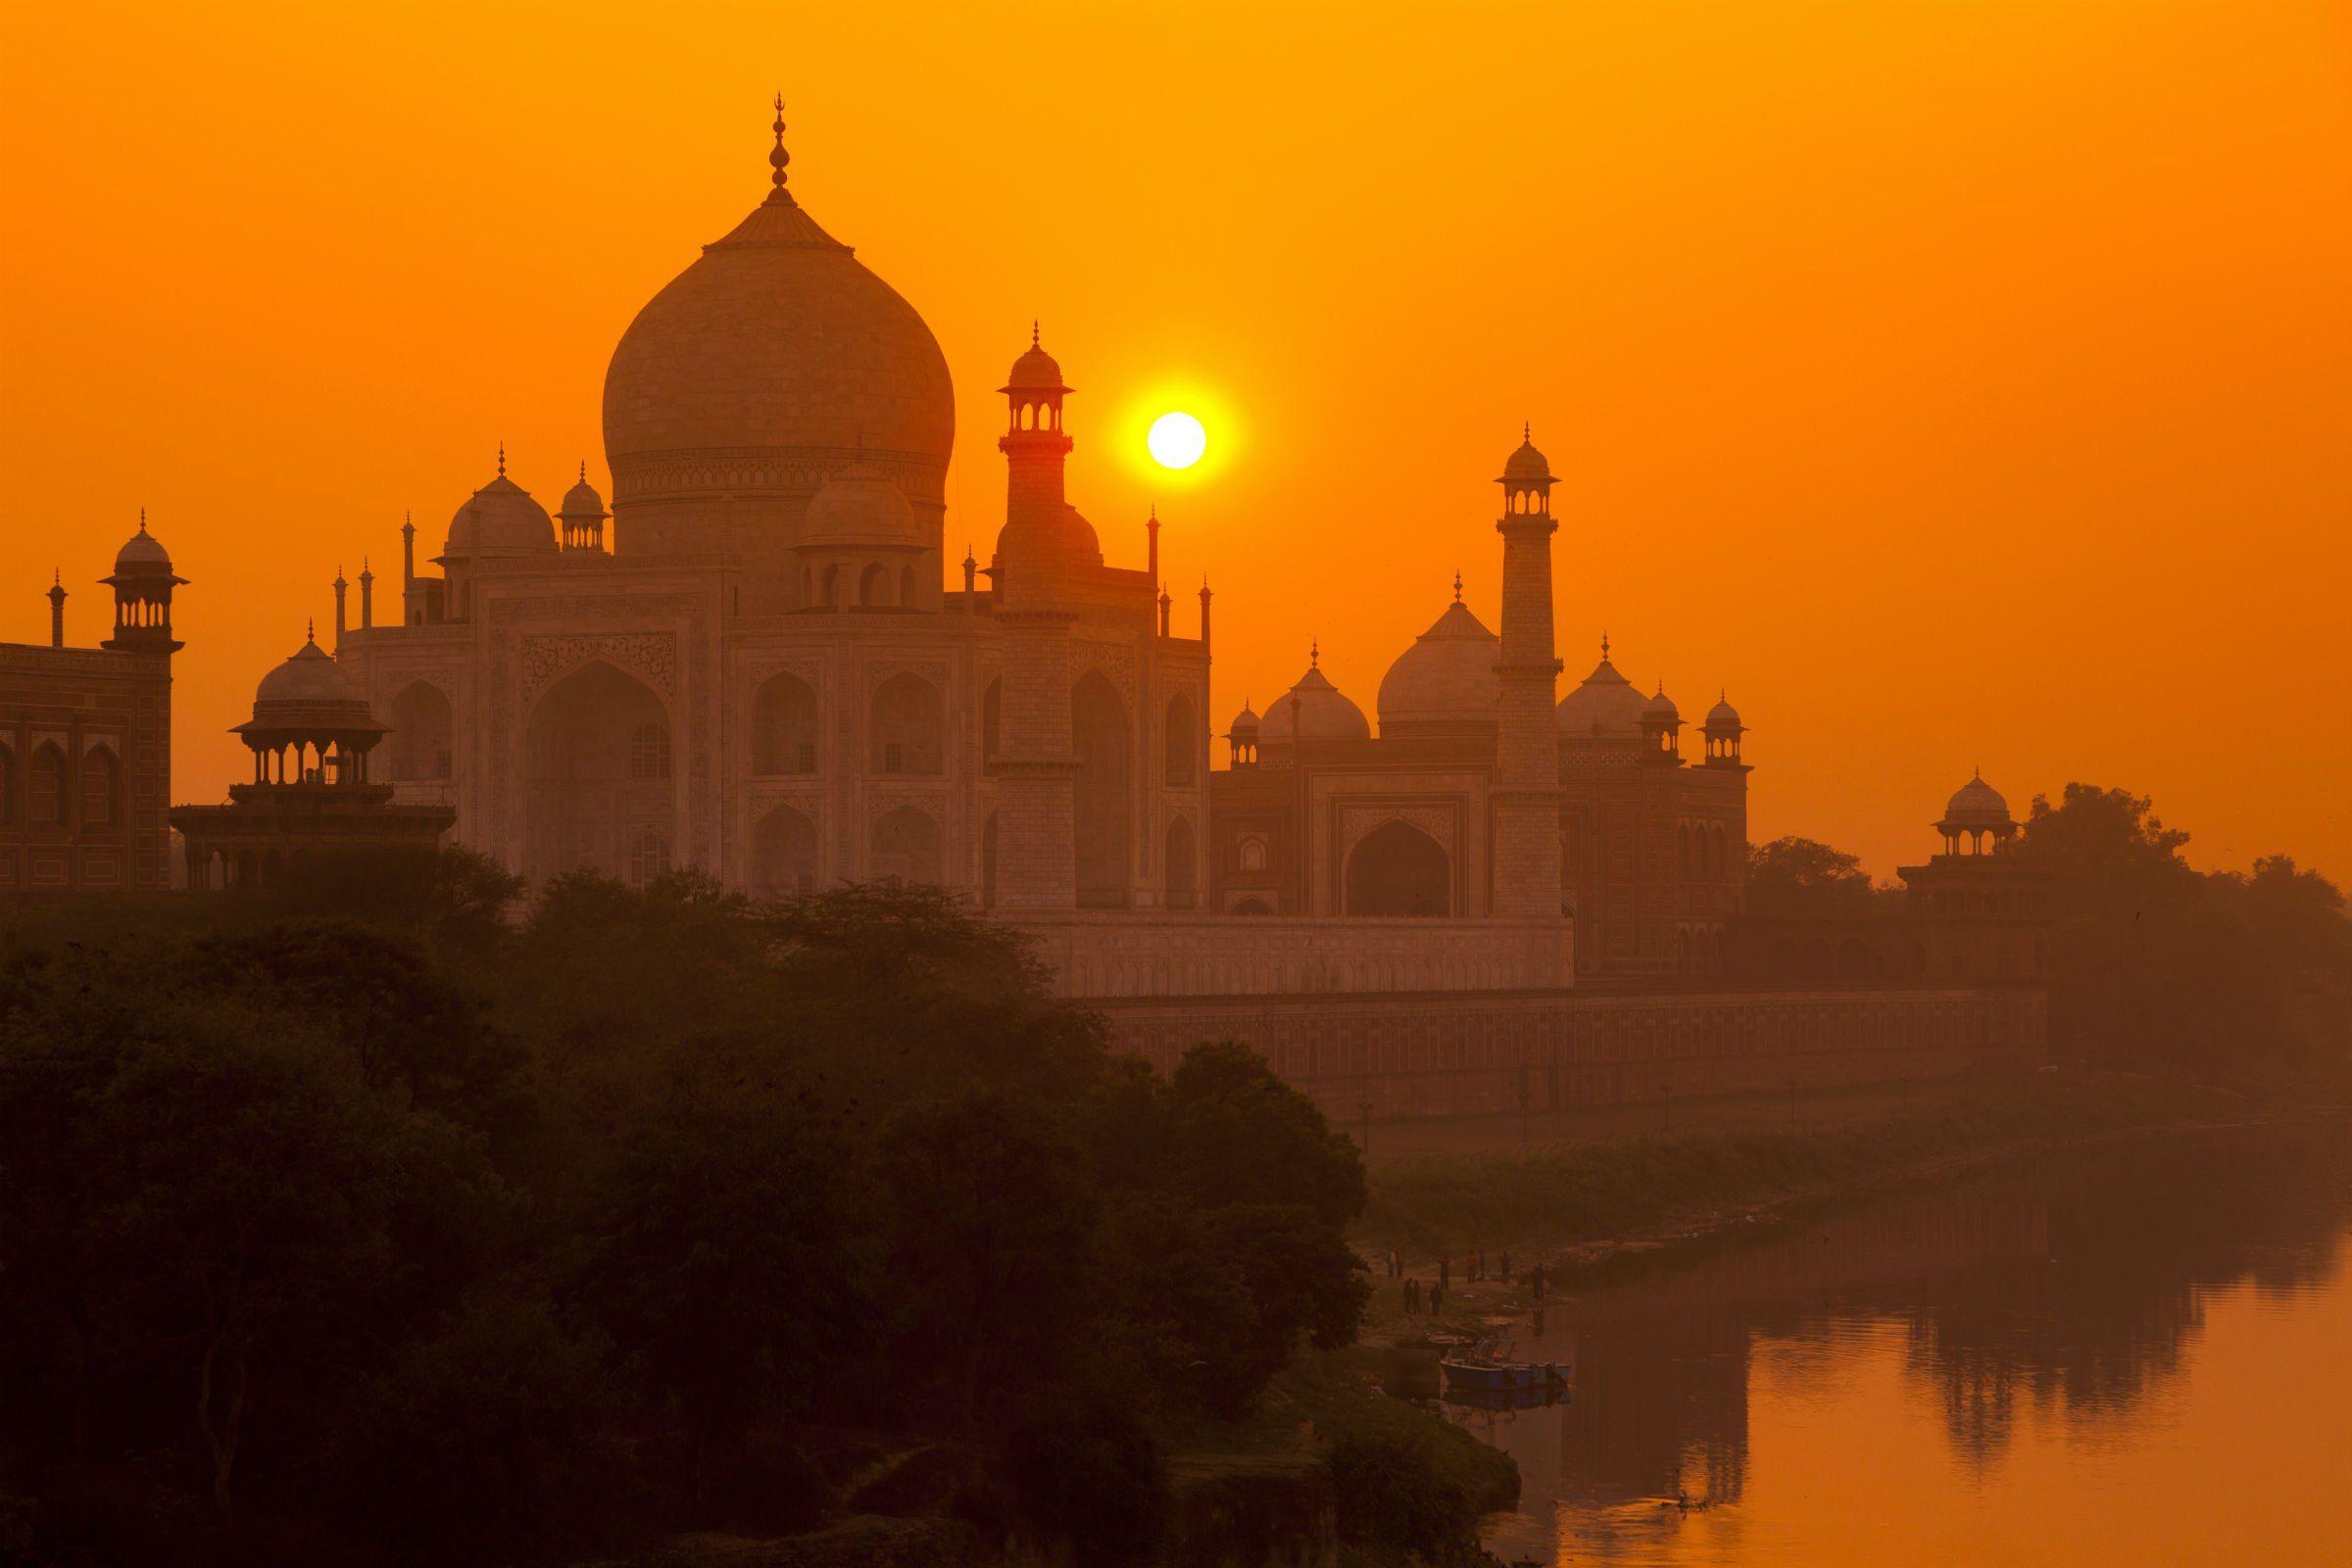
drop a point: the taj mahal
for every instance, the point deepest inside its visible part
(758, 662)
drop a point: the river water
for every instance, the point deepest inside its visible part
(2136, 1356)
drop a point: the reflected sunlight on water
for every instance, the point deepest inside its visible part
(2142, 1356)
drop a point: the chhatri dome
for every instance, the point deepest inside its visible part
(858, 505)
(1976, 804)
(500, 519)
(309, 687)
(142, 552)
(1446, 678)
(1314, 709)
(765, 365)
(1606, 706)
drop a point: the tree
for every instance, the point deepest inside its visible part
(1805, 878)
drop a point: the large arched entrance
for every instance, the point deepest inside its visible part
(783, 855)
(597, 790)
(1399, 869)
(1104, 784)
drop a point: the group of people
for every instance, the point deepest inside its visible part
(1432, 1297)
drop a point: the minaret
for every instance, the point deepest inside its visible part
(342, 594)
(57, 609)
(408, 606)
(1527, 757)
(1043, 541)
(142, 581)
(367, 595)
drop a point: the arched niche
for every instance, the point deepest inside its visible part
(1182, 754)
(1182, 873)
(784, 855)
(1397, 870)
(421, 729)
(908, 728)
(905, 846)
(1103, 799)
(784, 726)
(596, 778)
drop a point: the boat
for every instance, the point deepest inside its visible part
(1488, 1367)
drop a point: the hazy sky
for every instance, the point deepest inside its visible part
(1954, 382)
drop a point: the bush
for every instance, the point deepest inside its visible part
(1085, 1473)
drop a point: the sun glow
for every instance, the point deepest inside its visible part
(1177, 440)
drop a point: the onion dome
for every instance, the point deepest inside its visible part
(581, 502)
(143, 554)
(500, 519)
(860, 508)
(1035, 371)
(1976, 804)
(1446, 678)
(770, 360)
(1526, 462)
(1314, 709)
(1606, 706)
(311, 691)
(1660, 709)
(1245, 724)
(1723, 718)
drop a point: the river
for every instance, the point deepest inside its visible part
(2136, 1357)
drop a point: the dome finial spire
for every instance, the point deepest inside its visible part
(1315, 653)
(1033, 331)
(583, 471)
(142, 520)
(777, 157)
(1604, 647)
(1526, 431)
(1457, 585)
(502, 460)
(310, 631)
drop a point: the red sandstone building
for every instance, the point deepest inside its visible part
(86, 740)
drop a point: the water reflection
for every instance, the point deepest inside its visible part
(2064, 1301)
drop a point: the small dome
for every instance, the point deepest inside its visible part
(1314, 709)
(860, 507)
(142, 552)
(1606, 706)
(500, 518)
(1245, 723)
(1660, 709)
(581, 501)
(308, 677)
(1035, 371)
(1447, 677)
(1723, 718)
(1976, 804)
(1526, 462)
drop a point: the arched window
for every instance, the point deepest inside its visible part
(7, 786)
(784, 726)
(992, 724)
(873, 587)
(1251, 907)
(1182, 883)
(649, 752)
(1180, 741)
(420, 733)
(909, 730)
(45, 796)
(1722, 857)
(1251, 854)
(100, 785)
(649, 857)
(907, 586)
(832, 587)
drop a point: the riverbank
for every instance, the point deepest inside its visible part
(1579, 1207)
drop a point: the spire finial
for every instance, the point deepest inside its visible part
(1457, 585)
(142, 520)
(1154, 518)
(583, 471)
(1526, 431)
(362, 566)
(1314, 654)
(777, 157)
(502, 460)
(57, 576)
(1604, 647)
(1033, 343)
(309, 632)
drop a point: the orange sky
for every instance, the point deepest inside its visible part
(1956, 382)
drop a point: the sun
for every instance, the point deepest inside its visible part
(1177, 440)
